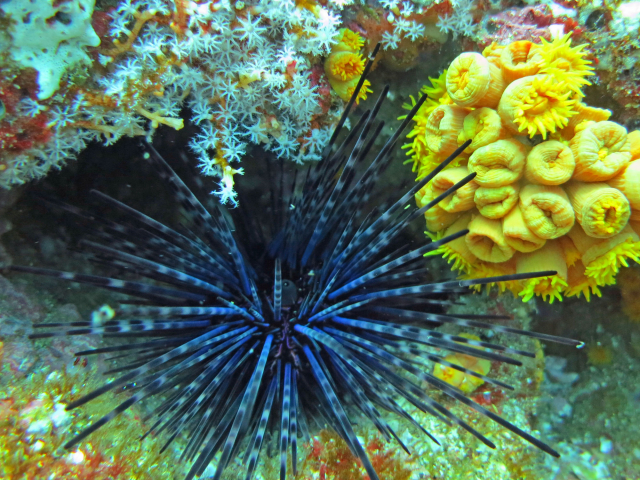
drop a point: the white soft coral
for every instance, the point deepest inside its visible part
(251, 31)
(460, 22)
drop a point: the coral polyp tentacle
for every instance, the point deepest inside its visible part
(536, 104)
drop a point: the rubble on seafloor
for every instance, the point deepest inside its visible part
(38, 379)
(589, 402)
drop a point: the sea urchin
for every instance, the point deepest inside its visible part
(323, 323)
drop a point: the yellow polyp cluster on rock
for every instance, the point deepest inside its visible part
(464, 381)
(424, 160)
(557, 184)
(345, 65)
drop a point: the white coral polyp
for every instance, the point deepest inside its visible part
(50, 36)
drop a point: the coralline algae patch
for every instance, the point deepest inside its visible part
(38, 380)
(557, 183)
(328, 457)
(34, 426)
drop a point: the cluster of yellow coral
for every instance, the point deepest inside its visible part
(557, 185)
(345, 65)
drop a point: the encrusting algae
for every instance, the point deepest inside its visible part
(34, 426)
(557, 184)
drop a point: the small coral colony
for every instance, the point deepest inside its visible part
(557, 184)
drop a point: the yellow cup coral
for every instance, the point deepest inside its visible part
(584, 114)
(564, 62)
(348, 41)
(456, 251)
(474, 82)
(550, 256)
(628, 182)
(443, 127)
(437, 217)
(602, 211)
(345, 65)
(496, 202)
(463, 198)
(518, 235)
(546, 210)
(486, 240)
(519, 59)
(601, 150)
(603, 258)
(482, 126)
(549, 163)
(464, 381)
(499, 163)
(568, 201)
(634, 144)
(537, 104)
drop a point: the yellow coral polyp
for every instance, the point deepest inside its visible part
(457, 251)
(549, 163)
(437, 218)
(602, 211)
(580, 284)
(573, 197)
(584, 113)
(345, 89)
(496, 202)
(438, 88)
(499, 163)
(518, 235)
(463, 198)
(482, 126)
(628, 182)
(486, 240)
(601, 151)
(565, 62)
(474, 82)
(519, 59)
(603, 258)
(443, 127)
(488, 269)
(423, 159)
(549, 288)
(548, 257)
(348, 40)
(463, 380)
(362, 94)
(345, 65)
(493, 52)
(538, 104)
(546, 210)
(634, 144)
